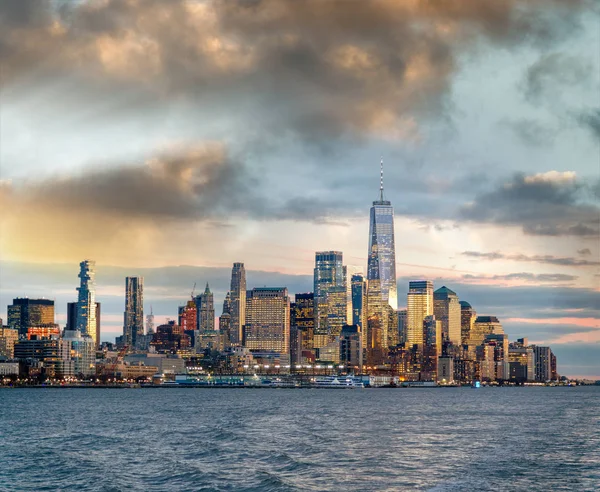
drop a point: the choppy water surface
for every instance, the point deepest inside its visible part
(322, 440)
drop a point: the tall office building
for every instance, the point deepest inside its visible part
(402, 325)
(543, 363)
(205, 305)
(349, 272)
(328, 276)
(381, 268)
(432, 347)
(419, 306)
(133, 317)
(267, 327)
(86, 300)
(359, 305)
(304, 318)
(446, 309)
(72, 319)
(237, 303)
(26, 313)
(150, 323)
(467, 319)
(483, 326)
(337, 300)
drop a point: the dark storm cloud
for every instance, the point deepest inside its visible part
(313, 69)
(549, 204)
(192, 183)
(584, 251)
(547, 259)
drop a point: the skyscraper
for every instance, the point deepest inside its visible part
(304, 318)
(483, 326)
(26, 313)
(72, 318)
(419, 305)
(267, 325)
(86, 300)
(328, 277)
(206, 311)
(467, 319)
(359, 305)
(446, 309)
(133, 322)
(381, 268)
(237, 303)
(432, 347)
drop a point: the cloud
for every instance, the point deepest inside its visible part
(531, 132)
(526, 277)
(552, 73)
(315, 70)
(547, 204)
(584, 252)
(591, 120)
(547, 259)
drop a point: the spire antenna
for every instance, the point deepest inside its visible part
(381, 182)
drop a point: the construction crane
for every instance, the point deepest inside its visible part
(193, 290)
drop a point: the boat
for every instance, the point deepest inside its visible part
(338, 382)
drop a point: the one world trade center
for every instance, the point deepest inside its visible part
(381, 269)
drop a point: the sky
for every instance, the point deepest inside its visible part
(171, 139)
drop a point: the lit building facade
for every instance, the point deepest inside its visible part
(337, 300)
(483, 326)
(328, 276)
(85, 321)
(446, 308)
(8, 338)
(467, 319)
(267, 325)
(382, 249)
(359, 305)
(205, 306)
(432, 347)
(133, 317)
(419, 305)
(25, 313)
(237, 303)
(402, 325)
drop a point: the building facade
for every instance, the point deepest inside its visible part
(328, 276)
(419, 306)
(267, 327)
(133, 317)
(205, 306)
(446, 308)
(25, 313)
(86, 300)
(237, 303)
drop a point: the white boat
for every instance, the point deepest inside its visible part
(338, 382)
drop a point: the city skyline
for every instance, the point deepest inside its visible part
(490, 142)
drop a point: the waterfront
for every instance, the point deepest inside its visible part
(277, 439)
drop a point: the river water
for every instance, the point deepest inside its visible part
(454, 439)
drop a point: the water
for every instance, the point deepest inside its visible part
(286, 440)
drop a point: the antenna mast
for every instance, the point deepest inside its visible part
(381, 181)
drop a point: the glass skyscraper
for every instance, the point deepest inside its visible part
(133, 322)
(329, 277)
(86, 300)
(237, 303)
(381, 268)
